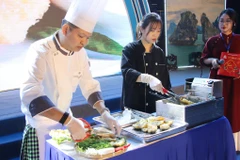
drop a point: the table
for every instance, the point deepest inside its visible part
(211, 141)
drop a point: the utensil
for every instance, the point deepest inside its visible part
(165, 91)
(87, 128)
(174, 95)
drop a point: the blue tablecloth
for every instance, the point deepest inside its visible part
(211, 141)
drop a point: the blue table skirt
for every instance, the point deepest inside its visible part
(212, 141)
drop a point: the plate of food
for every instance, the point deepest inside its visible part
(154, 127)
(60, 136)
(101, 144)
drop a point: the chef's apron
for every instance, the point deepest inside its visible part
(64, 97)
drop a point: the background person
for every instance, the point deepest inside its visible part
(226, 41)
(144, 67)
(55, 66)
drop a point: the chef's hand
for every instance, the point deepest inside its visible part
(111, 122)
(215, 64)
(154, 83)
(76, 128)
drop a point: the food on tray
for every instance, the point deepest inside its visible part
(103, 132)
(164, 126)
(151, 128)
(151, 124)
(99, 143)
(185, 101)
(60, 135)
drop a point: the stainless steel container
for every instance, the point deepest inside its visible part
(204, 87)
(194, 114)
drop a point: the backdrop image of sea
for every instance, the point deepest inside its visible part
(183, 52)
(189, 25)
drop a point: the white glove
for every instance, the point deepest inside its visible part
(154, 83)
(215, 64)
(76, 128)
(111, 122)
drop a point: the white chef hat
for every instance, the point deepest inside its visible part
(84, 13)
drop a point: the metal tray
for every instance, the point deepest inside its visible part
(177, 126)
(136, 115)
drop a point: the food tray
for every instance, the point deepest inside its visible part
(104, 156)
(177, 126)
(136, 115)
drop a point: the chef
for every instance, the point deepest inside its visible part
(55, 66)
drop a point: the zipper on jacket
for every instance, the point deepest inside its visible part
(145, 85)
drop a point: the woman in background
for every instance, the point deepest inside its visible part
(144, 67)
(226, 41)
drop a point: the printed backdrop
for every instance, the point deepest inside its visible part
(189, 25)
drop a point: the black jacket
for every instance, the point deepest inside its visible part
(134, 62)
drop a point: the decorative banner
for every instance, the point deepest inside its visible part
(231, 65)
(136, 10)
(17, 16)
(188, 26)
(25, 21)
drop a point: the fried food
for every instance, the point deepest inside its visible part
(151, 124)
(152, 118)
(142, 123)
(164, 126)
(185, 101)
(103, 132)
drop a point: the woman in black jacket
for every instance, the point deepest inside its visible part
(144, 67)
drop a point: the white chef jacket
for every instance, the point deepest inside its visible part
(51, 76)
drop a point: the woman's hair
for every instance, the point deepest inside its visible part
(151, 18)
(233, 16)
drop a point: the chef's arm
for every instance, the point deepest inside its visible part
(100, 107)
(96, 101)
(154, 83)
(43, 106)
(74, 125)
(55, 114)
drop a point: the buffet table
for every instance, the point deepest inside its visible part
(211, 141)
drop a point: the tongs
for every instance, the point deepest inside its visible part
(165, 91)
(174, 95)
(87, 128)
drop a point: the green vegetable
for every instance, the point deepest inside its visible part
(59, 140)
(93, 142)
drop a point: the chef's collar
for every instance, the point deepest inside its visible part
(59, 47)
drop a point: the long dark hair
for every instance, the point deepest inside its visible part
(233, 16)
(150, 18)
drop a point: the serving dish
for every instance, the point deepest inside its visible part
(176, 127)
